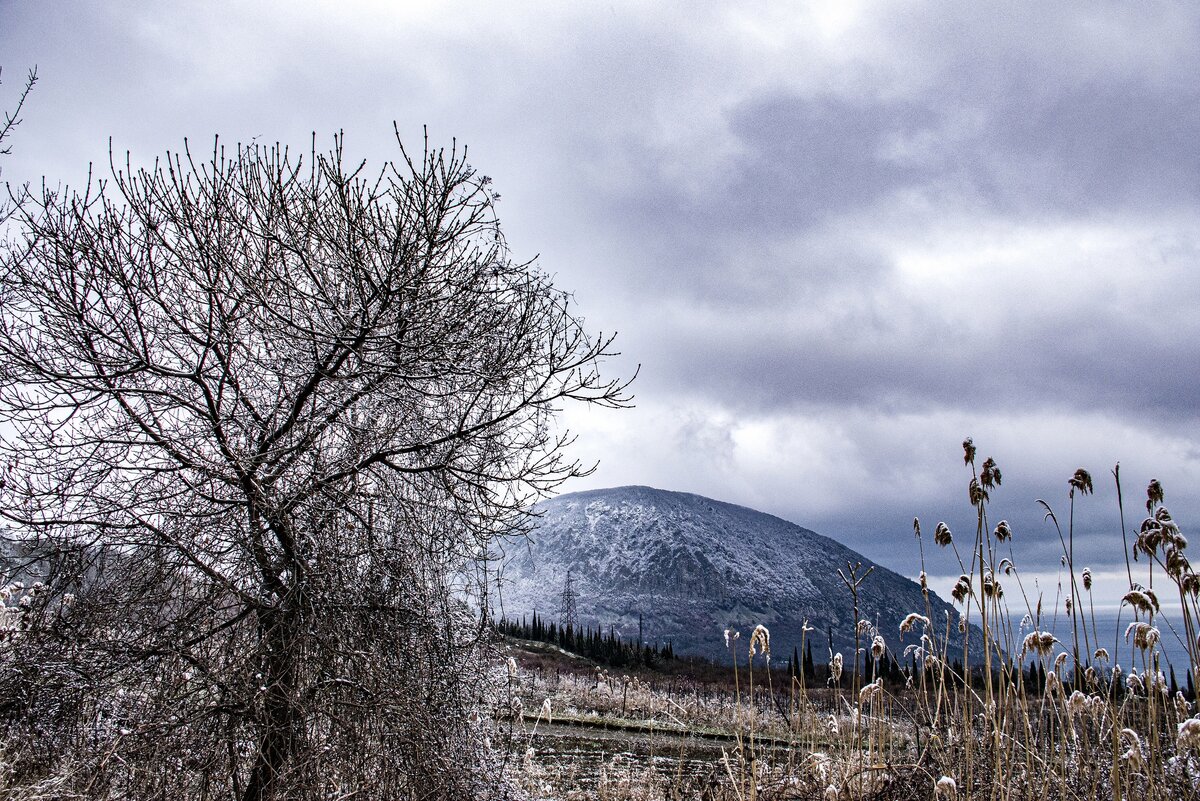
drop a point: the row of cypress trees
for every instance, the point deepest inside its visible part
(607, 648)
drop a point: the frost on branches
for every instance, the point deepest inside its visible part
(264, 412)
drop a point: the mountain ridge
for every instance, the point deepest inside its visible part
(682, 567)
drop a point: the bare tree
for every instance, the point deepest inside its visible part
(263, 413)
(11, 120)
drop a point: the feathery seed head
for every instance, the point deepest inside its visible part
(962, 588)
(1142, 600)
(942, 535)
(910, 620)
(1087, 578)
(1131, 736)
(1082, 481)
(835, 668)
(869, 692)
(1177, 564)
(821, 764)
(1003, 531)
(1150, 537)
(946, 789)
(1154, 495)
(878, 647)
(1039, 642)
(991, 587)
(990, 474)
(1134, 757)
(976, 492)
(1189, 735)
(762, 638)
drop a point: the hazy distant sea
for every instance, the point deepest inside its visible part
(1111, 633)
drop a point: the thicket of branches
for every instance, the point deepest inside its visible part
(262, 415)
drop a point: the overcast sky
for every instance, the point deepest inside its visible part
(838, 240)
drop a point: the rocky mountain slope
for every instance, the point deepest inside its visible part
(692, 567)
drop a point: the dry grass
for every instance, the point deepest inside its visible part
(1090, 730)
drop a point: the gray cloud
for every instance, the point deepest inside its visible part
(837, 242)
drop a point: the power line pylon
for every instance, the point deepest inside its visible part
(567, 615)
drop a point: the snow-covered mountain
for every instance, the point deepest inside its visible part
(692, 566)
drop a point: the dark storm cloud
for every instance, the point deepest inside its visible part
(1069, 360)
(802, 161)
(809, 159)
(1091, 148)
(1087, 152)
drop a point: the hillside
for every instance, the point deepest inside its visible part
(692, 567)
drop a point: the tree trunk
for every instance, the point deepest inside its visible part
(277, 738)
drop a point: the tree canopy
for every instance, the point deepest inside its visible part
(264, 412)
